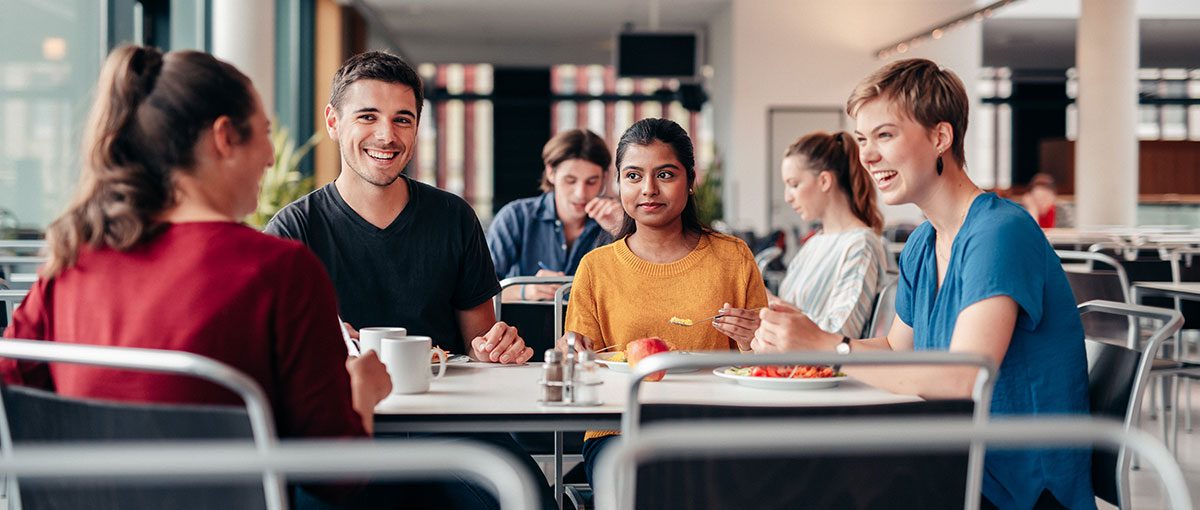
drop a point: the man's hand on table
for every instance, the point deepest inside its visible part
(501, 344)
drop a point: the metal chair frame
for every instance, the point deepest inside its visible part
(889, 289)
(528, 280)
(258, 407)
(783, 437)
(559, 303)
(34, 245)
(982, 394)
(1171, 322)
(1091, 258)
(1171, 252)
(11, 299)
(315, 460)
(764, 258)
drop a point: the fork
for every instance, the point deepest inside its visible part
(706, 319)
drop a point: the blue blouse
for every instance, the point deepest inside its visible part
(527, 232)
(1000, 251)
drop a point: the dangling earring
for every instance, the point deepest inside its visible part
(939, 164)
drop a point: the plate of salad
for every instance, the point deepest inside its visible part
(789, 377)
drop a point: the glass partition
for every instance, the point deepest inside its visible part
(52, 54)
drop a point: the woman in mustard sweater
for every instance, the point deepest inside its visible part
(663, 264)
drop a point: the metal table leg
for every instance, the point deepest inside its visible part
(559, 489)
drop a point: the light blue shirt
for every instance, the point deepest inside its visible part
(1000, 251)
(527, 232)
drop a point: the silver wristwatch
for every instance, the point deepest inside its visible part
(843, 347)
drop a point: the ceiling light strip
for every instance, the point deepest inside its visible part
(938, 31)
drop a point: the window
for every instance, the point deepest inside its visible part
(47, 72)
(454, 142)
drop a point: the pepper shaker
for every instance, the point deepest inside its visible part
(552, 376)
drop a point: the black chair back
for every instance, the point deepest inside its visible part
(1112, 370)
(1144, 265)
(535, 321)
(1100, 284)
(37, 416)
(812, 482)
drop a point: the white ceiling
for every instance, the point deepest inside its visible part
(1029, 34)
(526, 32)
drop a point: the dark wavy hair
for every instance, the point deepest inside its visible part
(375, 65)
(150, 110)
(647, 131)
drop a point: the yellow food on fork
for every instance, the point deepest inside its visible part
(681, 322)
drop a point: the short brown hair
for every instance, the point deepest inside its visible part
(574, 144)
(376, 65)
(927, 93)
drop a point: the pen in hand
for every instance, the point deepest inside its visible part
(351, 345)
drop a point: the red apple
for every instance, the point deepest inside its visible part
(643, 348)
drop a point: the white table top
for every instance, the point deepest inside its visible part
(1181, 289)
(513, 391)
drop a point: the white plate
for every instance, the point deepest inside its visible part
(623, 367)
(453, 359)
(779, 383)
(615, 366)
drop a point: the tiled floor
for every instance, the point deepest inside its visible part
(1147, 492)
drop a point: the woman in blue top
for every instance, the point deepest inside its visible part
(978, 277)
(549, 234)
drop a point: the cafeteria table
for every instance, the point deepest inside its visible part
(487, 397)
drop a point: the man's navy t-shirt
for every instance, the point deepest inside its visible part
(429, 263)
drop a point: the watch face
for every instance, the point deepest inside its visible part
(843, 348)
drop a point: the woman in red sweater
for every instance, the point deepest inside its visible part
(151, 254)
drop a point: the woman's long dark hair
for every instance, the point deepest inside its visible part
(647, 131)
(149, 112)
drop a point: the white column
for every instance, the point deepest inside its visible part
(243, 34)
(1106, 153)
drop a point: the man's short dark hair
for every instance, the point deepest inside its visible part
(376, 65)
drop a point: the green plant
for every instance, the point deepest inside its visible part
(283, 183)
(709, 205)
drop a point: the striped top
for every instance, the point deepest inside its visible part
(835, 278)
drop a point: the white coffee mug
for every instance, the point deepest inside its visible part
(407, 360)
(369, 338)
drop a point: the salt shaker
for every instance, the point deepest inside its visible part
(552, 376)
(587, 378)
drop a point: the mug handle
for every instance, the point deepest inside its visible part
(441, 363)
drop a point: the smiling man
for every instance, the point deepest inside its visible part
(401, 253)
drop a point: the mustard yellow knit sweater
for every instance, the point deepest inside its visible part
(618, 297)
